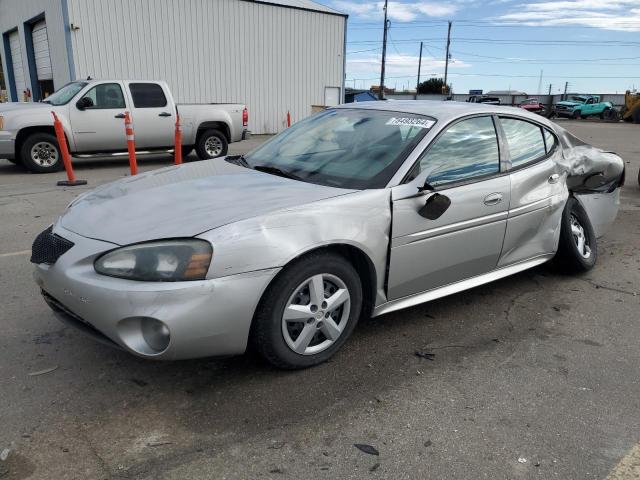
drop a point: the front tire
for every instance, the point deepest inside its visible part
(308, 312)
(576, 115)
(577, 249)
(211, 144)
(40, 153)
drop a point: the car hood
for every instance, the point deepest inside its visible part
(23, 106)
(185, 201)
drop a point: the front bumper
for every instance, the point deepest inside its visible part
(203, 318)
(7, 145)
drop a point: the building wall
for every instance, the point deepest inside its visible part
(274, 59)
(13, 13)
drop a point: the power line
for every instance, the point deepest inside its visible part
(513, 41)
(509, 76)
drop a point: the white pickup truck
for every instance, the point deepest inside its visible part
(92, 113)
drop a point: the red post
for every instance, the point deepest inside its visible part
(66, 157)
(177, 148)
(288, 119)
(131, 144)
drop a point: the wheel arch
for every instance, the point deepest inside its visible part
(220, 126)
(25, 132)
(362, 263)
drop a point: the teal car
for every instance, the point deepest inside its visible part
(582, 106)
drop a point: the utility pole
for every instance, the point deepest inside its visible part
(540, 83)
(446, 65)
(566, 86)
(384, 51)
(419, 67)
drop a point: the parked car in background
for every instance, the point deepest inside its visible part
(92, 113)
(583, 106)
(357, 211)
(484, 99)
(532, 105)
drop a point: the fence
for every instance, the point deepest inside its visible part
(617, 99)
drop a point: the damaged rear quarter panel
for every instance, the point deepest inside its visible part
(361, 219)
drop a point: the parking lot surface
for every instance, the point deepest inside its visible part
(534, 376)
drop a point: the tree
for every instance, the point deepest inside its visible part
(433, 85)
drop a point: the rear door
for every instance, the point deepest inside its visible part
(463, 165)
(100, 127)
(153, 115)
(538, 191)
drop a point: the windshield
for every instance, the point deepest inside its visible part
(579, 99)
(65, 94)
(346, 148)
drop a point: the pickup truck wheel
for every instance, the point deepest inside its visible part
(40, 153)
(576, 115)
(211, 144)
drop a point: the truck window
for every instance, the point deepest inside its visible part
(147, 95)
(105, 96)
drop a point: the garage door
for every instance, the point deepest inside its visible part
(16, 60)
(41, 51)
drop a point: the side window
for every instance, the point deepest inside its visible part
(106, 95)
(147, 95)
(524, 139)
(466, 150)
(549, 140)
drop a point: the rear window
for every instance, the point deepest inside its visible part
(549, 140)
(147, 95)
(525, 141)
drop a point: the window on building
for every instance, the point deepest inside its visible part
(525, 141)
(147, 95)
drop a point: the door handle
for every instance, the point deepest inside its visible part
(120, 115)
(164, 114)
(493, 199)
(554, 178)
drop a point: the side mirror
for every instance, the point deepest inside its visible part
(83, 103)
(435, 206)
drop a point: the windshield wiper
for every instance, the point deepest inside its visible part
(238, 160)
(276, 171)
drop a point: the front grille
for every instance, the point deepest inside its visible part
(49, 247)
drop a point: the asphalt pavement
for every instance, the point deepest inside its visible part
(534, 376)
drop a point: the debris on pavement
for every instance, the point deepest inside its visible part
(428, 443)
(4, 454)
(374, 467)
(43, 372)
(158, 443)
(522, 460)
(367, 448)
(425, 355)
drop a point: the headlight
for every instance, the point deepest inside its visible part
(162, 261)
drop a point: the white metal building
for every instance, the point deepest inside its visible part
(276, 56)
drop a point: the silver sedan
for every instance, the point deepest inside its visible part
(354, 212)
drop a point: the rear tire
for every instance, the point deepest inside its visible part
(40, 153)
(577, 249)
(211, 144)
(294, 327)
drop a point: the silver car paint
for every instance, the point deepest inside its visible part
(257, 230)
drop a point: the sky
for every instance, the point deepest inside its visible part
(498, 44)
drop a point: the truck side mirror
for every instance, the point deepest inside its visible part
(83, 103)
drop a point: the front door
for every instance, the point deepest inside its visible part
(463, 165)
(99, 127)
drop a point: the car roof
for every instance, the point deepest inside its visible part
(445, 111)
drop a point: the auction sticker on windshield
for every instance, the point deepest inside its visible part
(411, 122)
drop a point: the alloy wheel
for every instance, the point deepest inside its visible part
(44, 154)
(579, 237)
(316, 314)
(213, 146)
